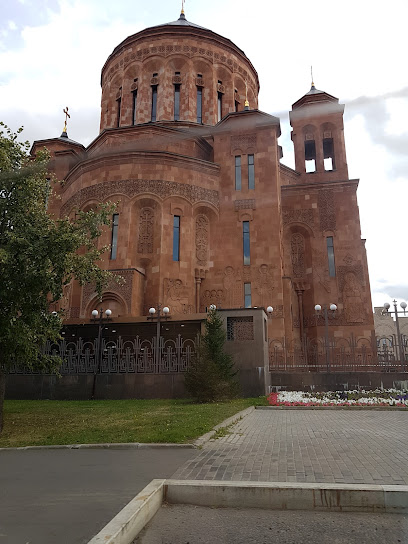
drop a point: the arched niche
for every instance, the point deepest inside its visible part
(110, 300)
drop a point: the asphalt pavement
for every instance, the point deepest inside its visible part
(66, 496)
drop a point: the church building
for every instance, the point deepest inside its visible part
(206, 211)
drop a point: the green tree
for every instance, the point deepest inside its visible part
(38, 256)
(212, 375)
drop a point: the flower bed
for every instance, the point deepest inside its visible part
(377, 397)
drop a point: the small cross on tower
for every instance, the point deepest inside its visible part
(67, 115)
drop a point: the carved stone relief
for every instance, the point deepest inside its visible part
(298, 216)
(243, 142)
(297, 253)
(321, 269)
(233, 289)
(354, 307)
(201, 239)
(277, 312)
(146, 222)
(175, 295)
(247, 204)
(133, 187)
(124, 289)
(213, 296)
(264, 285)
(327, 210)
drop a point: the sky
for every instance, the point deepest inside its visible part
(52, 52)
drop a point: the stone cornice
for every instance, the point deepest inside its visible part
(316, 187)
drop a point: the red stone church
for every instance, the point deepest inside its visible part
(206, 212)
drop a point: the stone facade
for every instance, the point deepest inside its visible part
(178, 140)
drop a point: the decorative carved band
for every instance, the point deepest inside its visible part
(177, 80)
(133, 87)
(220, 88)
(248, 204)
(154, 81)
(243, 141)
(132, 187)
(327, 209)
(199, 82)
(298, 216)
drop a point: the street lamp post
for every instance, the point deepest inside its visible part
(159, 314)
(101, 319)
(396, 312)
(318, 308)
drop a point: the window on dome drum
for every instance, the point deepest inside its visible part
(328, 154)
(177, 102)
(154, 102)
(114, 241)
(310, 156)
(176, 238)
(219, 105)
(238, 173)
(247, 295)
(134, 106)
(251, 172)
(330, 256)
(119, 104)
(246, 244)
(236, 100)
(199, 104)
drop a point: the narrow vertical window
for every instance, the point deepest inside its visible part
(245, 231)
(310, 156)
(154, 102)
(119, 104)
(328, 154)
(176, 238)
(199, 104)
(219, 102)
(238, 173)
(177, 102)
(247, 295)
(236, 101)
(114, 242)
(330, 256)
(134, 106)
(251, 172)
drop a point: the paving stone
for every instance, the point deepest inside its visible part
(324, 446)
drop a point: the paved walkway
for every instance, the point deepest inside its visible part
(324, 446)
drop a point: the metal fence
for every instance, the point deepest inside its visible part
(120, 356)
(381, 354)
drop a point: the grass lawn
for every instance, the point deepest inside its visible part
(47, 422)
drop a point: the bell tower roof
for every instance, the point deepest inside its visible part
(314, 96)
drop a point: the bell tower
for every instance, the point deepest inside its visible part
(318, 137)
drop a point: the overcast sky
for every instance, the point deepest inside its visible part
(52, 51)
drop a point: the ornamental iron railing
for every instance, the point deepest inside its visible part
(120, 356)
(381, 354)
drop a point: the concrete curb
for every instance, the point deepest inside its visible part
(113, 446)
(230, 421)
(289, 496)
(126, 525)
(394, 408)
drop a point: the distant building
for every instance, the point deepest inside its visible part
(207, 213)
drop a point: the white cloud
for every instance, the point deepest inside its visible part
(355, 53)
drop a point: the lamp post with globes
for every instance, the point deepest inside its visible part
(396, 312)
(101, 319)
(159, 314)
(332, 308)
